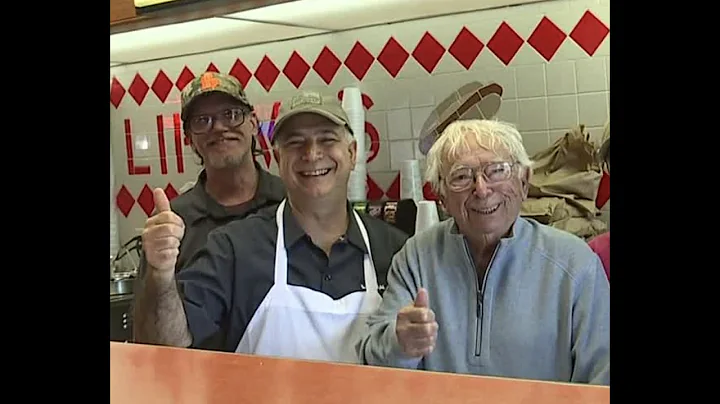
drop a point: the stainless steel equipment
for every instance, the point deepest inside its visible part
(122, 274)
(121, 286)
(127, 260)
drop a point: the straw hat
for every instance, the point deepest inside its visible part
(474, 100)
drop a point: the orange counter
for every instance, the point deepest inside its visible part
(142, 374)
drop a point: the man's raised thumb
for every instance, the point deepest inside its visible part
(422, 299)
(162, 204)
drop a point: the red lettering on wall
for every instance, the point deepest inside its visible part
(161, 144)
(370, 129)
(132, 169)
(178, 143)
(374, 141)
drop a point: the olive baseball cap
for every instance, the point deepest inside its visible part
(311, 102)
(211, 82)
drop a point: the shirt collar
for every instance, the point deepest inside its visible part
(270, 190)
(293, 231)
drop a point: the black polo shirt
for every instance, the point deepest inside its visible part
(228, 279)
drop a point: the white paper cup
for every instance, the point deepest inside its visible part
(427, 216)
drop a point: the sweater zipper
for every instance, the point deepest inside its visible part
(480, 297)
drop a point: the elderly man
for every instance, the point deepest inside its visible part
(297, 280)
(487, 292)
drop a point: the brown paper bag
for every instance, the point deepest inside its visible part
(568, 169)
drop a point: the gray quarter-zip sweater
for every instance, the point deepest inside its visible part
(542, 311)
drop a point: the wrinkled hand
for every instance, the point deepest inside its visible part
(416, 328)
(162, 234)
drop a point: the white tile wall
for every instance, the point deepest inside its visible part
(544, 98)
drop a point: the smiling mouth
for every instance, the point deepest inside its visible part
(487, 211)
(221, 141)
(316, 173)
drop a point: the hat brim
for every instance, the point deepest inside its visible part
(311, 110)
(188, 106)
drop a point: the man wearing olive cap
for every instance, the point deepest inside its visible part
(297, 280)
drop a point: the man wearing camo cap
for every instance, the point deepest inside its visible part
(221, 125)
(219, 120)
(297, 280)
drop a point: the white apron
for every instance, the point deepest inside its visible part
(300, 323)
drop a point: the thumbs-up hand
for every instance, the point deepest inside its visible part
(162, 234)
(416, 328)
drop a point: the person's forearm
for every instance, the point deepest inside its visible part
(159, 313)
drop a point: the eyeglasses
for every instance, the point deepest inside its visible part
(230, 118)
(464, 178)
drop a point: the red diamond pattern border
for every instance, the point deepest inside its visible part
(589, 33)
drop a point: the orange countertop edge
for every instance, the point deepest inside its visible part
(152, 374)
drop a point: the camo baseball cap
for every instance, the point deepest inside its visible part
(311, 102)
(210, 82)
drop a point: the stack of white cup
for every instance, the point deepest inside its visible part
(353, 106)
(427, 216)
(411, 181)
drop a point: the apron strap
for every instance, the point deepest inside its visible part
(371, 284)
(280, 253)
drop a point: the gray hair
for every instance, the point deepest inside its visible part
(502, 138)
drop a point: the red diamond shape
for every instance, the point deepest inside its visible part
(186, 76)
(117, 92)
(138, 89)
(465, 48)
(296, 69)
(393, 191)
(240, 72)
(546, 38)
(124, 201)
(374, 192)
(266, 73)
(393, 57)
(146, 200)
(589, 32)
(211, 68)
(171, 192)
(326, 65)
(505, 43)
(428, 52)
(359, 60)
(428, 193)
(162, 86)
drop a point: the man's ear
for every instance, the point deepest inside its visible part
(255, 122)
(192, 145)
(352, 148)
(525, 181)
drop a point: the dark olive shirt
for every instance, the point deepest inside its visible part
(202, 214)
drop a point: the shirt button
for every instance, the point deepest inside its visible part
(328, 277)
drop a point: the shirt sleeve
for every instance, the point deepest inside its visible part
(380, 346)
(591, 326)
(205, 285)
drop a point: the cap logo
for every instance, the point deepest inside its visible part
(208, 81)
(308, 98)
